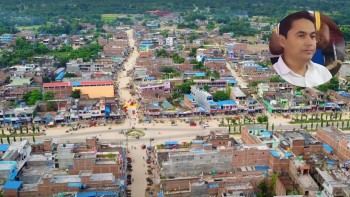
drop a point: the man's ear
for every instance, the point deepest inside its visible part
(282, 40)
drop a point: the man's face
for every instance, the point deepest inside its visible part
(300, 43)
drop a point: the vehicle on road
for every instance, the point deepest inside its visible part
(205, 125)
(193, 124)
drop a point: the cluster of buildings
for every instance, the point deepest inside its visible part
(47, 169)
(217, 165)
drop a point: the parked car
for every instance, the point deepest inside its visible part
(193, 124)
(205, 125)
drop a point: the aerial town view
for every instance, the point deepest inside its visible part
(174, 98)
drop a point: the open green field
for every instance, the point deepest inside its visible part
(109, 17)
(35, 27)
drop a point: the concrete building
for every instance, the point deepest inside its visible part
(218, 83)
(238, 95)
(256, 135)
(14, 159)
(169, 41)
(299, 173)
(196, 162)
(204, 99)
(250, 155)
(80, 66)
(95, 89)
(18, 115)
(6, 38)
(62, 90)
(339, 141)
(330, 185)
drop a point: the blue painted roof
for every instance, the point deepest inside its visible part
(266, 134)
(155, 104)
(197, 74)
(4, 147)
(205, 145)
(327, 148)
(160, 194)
(197, 150)
(149, 78)
(256, 66)
(76, 83)
(108, 111)
(189, 96)
(12, 185)
(331, 162)
(75, 185)
(214, 185)
(197, 141)
(13, 174)
(288, 154)
(226, 102)
(60, 76)
(261, 168)
(344, 94)
(216, 59)
(274, 153)
(251, 100)
(167, 105)
(212, 103)
(232, 81)
(171, 143)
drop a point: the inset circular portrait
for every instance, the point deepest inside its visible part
(309, 48)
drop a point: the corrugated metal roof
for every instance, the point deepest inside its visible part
(108, 82)
(57, 84)
(12, 185)
(4, 147)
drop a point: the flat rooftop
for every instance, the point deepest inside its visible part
(102, 177)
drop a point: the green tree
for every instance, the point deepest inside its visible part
(8, 139)
(32, 97)
(220, 96)
(14, 138)
(51, 106)
(177, 59)
(33, 138)
(48, 96)
(1, 140)
(185, 88)
(206, 88)
(75, 94)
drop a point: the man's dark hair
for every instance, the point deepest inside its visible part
(286, 23)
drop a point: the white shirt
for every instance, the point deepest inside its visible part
(315, 75)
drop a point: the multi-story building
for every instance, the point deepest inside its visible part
(204, 99)
(197, 161)
(339, 141)
(6, 38)
(299, 173)
(18, 115)
(62, 90)
(95, 89)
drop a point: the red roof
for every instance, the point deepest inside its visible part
(57, 84)
(109, 82)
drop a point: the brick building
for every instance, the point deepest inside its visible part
(339, 141)
(62, 90)
(250, 155)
